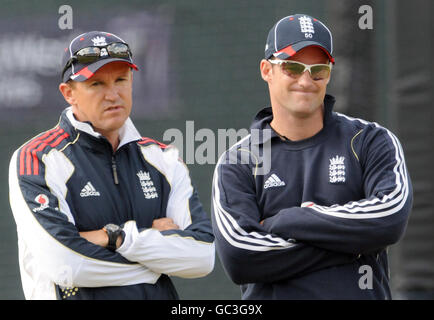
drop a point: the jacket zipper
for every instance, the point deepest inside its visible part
(114, 169)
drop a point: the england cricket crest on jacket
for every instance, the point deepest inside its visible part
(337, 169)
(147, 185)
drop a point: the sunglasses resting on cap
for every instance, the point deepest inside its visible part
(90, 51)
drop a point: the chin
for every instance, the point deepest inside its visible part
(302, 109)
(114, 124)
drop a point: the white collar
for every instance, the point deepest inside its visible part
(127, 133)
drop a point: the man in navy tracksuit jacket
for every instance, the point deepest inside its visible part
(101, 212)
(311, 210)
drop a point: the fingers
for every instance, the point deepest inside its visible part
(164, 224)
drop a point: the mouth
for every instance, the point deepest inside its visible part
(303, 91)
(113, 108)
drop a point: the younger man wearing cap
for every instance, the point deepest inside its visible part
(318, 223)
(101, 212)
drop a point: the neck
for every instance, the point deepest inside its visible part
(113, 138)
(295, 127)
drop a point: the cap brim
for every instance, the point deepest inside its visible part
(291, 50)
(88, 71)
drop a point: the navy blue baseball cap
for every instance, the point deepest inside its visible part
(81, 71)
(293, 33)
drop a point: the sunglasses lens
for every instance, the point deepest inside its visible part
(91, 54)
(293, 68)
(320, 72)
(118, 50)
(88, 55)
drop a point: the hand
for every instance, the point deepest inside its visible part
(164, 224)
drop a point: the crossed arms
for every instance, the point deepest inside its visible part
(51, 245)
(298, 240)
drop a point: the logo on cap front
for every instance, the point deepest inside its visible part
(99, 41)
(306, 26)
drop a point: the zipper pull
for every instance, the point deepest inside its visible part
(115, 172)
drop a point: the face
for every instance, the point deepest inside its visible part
(301, 97)
(105, 99)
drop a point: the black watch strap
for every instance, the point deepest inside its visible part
(113, 231)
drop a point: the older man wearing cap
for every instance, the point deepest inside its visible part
(318, 223)
(101, 212)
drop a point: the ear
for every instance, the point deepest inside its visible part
(67, 92)
(266, 69)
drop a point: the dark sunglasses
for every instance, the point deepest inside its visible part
(93, 54)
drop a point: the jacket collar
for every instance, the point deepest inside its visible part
(264, 117)
(127, 133)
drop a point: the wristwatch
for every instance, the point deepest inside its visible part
(113, 231)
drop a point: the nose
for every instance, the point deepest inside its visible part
(305, 80)
(111, 93)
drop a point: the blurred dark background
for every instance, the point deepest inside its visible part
(199, 61)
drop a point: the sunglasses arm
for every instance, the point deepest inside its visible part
(68, 64)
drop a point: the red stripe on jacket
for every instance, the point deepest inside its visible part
(30, 145)
(146, 140)
(29, 152)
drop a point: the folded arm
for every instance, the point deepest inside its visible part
(49, 240)
(250, 253)
(364, 226)
(186, 252)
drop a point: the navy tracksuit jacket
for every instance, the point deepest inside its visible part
(68, 180)
(330, 206)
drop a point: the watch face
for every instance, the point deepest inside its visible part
(112, 227)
